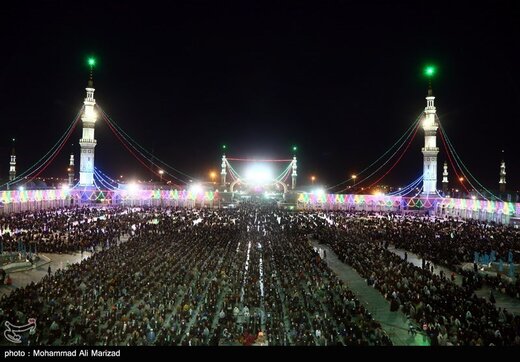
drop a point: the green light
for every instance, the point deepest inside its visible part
(224, 147)
(429, 71)
(91, 62)
(294, 148)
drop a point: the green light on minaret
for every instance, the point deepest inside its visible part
(91, 62)
(429, 71)
(294, 148)
(224, 147)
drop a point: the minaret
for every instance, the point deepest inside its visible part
(12, 164)
(502, 182)
(70, 170)
(87, 141)
(445, 179)
(223, 173)
(430, 149)
(294, 173)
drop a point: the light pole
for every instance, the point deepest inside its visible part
(213, 175)
(313, 178)
(354, 177)
(161, 172)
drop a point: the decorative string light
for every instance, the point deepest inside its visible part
(406, 134)
(42, 161)
(136, 145)
(454, 152)
(120, 138)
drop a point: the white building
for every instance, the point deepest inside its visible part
(430, 149)
(87, 141)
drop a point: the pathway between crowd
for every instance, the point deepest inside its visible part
(395, 324)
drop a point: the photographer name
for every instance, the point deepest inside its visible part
(64, 353)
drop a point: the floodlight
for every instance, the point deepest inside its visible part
(196, 188)
(133, 187)
(259, 174)
(319, 192)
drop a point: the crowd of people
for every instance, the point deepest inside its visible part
(250, 275)
(451, 243)
(64, 230)
(450, 314)
(186, 277)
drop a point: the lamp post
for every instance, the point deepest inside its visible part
(161, 172)
(212, 175)
(313, 178)
(354, 177)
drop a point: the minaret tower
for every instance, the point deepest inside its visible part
(430, 149)
(294, 168)
(87, 141)
(70, 170)
(294, 173)
(12, 164)
(223, 173)
(445, 179)
(502, 182)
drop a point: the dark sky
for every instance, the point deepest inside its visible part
(341, 79)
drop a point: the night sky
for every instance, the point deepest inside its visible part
(341, 79)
